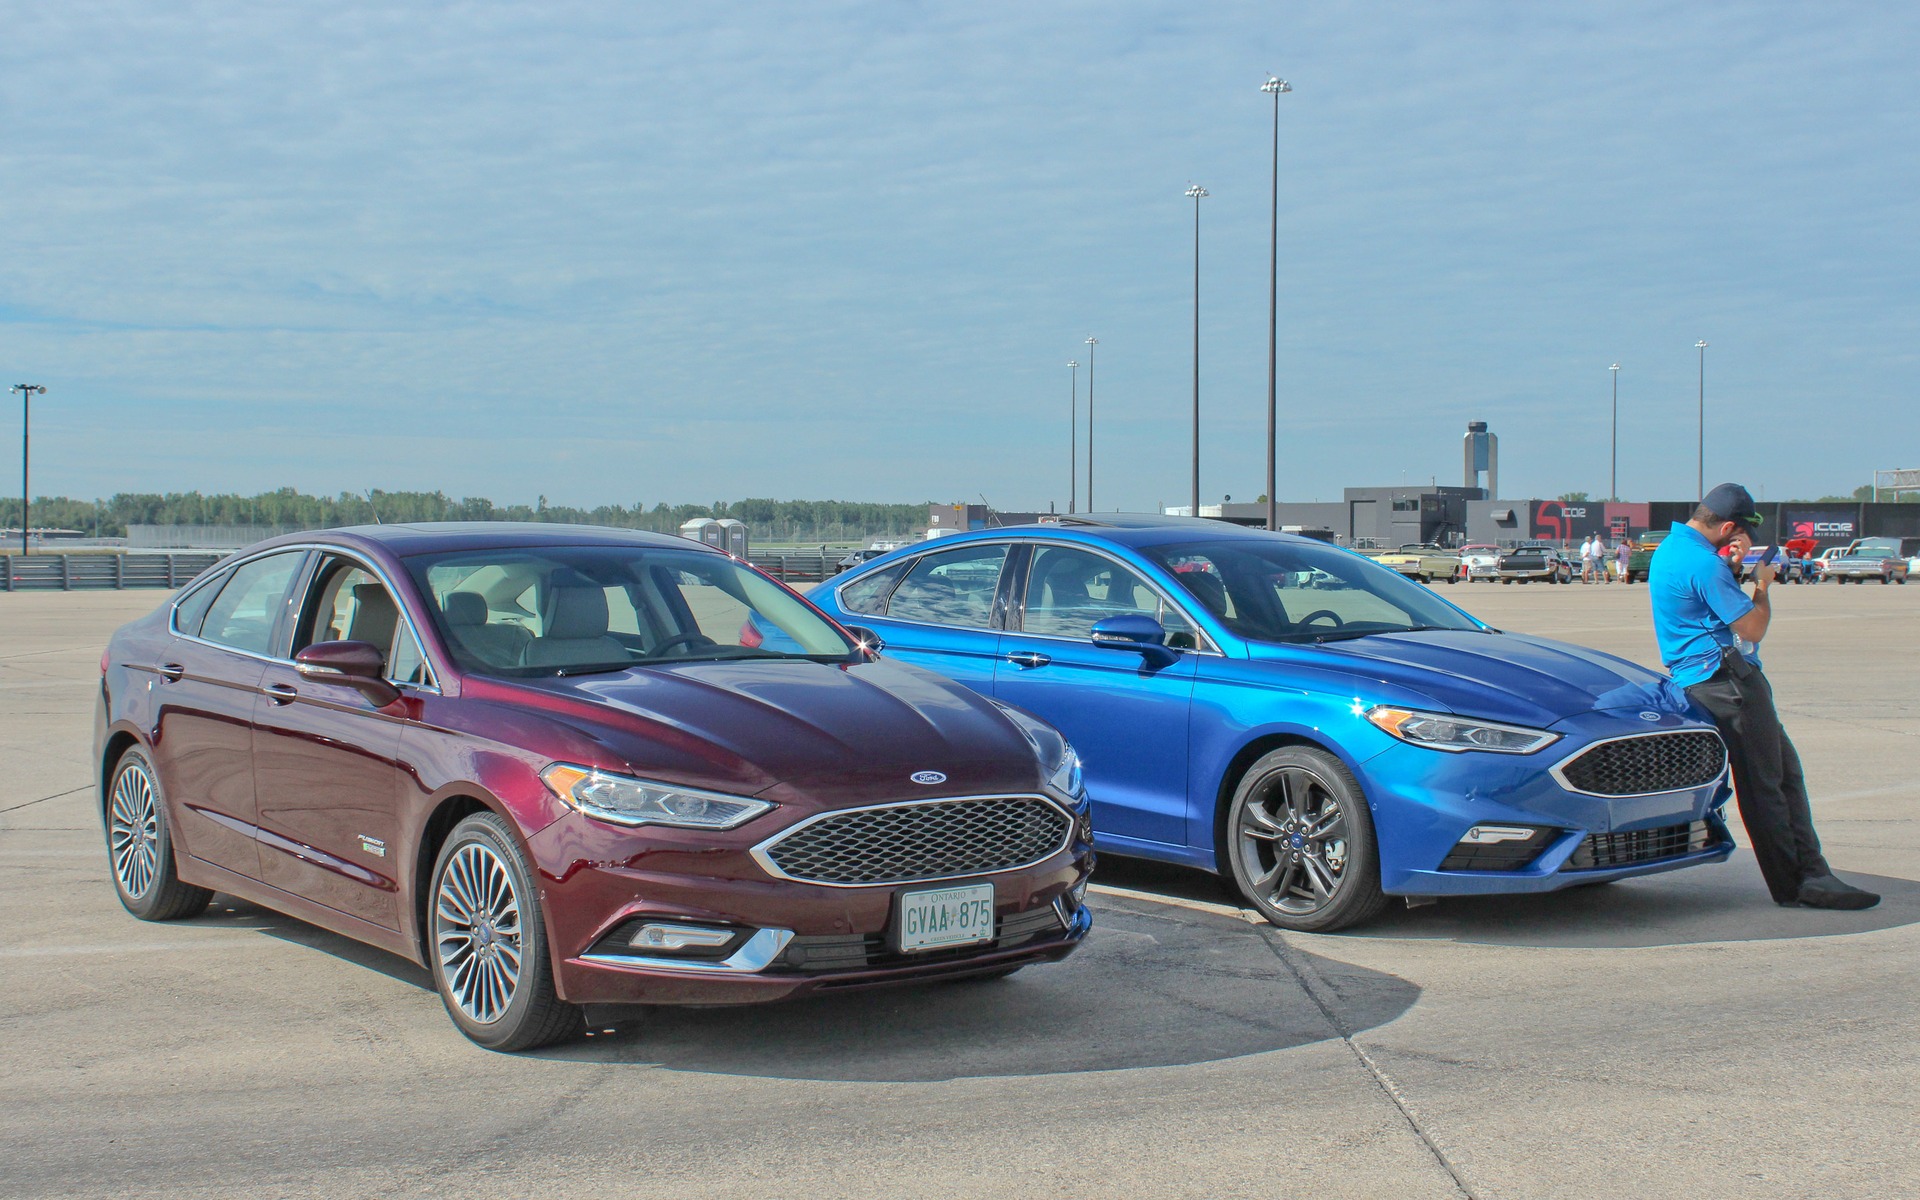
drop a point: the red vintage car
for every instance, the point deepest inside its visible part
(561, 766)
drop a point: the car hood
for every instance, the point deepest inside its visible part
(1507, 676)
(745, 726)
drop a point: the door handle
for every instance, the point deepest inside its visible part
(171, 672)
(1028, 659)
(280, 693)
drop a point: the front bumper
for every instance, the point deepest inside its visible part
(1425, 801)
(795, 937)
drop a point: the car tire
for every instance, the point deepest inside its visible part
(140, 845)
(487, 942)
(1295, 877)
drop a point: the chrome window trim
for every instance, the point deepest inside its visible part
(350, 555)
(1558, 772)
(754, 955)
(761, 851)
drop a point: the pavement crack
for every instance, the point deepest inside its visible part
(42, 800)
(1324, 1000)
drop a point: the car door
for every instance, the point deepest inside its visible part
(208, 681)
(1126, 713)
(327, 764)
(942, 613)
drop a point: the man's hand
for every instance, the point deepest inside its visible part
(1763, 574)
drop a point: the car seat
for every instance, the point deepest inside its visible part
(498, 645)
(574, 630)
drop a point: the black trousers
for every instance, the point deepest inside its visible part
(1766, 775)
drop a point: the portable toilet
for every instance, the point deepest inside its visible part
(704, 530)
(733, 537)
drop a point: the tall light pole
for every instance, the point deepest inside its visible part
(1274, 86)
(1700, 479)
(1196, 193)
(1073, 431)
(1091, 343)
(27, 392)
(1613, 472)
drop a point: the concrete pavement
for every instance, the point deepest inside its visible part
(1672, 1036)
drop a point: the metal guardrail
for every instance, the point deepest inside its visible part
(799, 568)
(97, 572)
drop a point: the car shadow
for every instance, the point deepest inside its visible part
(231, 912)
(1154, 985)
(1721, 902)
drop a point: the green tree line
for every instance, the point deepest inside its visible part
(769, 520)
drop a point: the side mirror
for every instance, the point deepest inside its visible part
(1143, 635)
(870, 642)
(357, 665)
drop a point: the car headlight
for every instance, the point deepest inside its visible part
(1058, 759)
(628, 801)
(1445, 731)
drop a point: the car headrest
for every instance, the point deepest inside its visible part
(374, 615)
(465, 608)
(575, 612)
(1208, 589)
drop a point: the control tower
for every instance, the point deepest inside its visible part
(1483, 454)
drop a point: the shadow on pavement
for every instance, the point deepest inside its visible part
(1724, 902)
(230, 912)
(1153, 986)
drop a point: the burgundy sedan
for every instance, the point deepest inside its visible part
(561, 766)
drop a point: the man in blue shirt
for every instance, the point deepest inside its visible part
(1709, 632)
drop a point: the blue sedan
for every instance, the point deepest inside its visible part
(1319, 729)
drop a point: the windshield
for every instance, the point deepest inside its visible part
(1284, 591)
(573, 610)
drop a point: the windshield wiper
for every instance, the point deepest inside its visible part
(592, 669)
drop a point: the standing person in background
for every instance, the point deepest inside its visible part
(1621, 554)
(1709, 632)
(1589, 558)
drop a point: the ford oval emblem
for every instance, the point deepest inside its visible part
(927, 777)
(1649, 716)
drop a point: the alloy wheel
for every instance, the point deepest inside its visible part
(133, 831)
(476, 932)
(1292, 841)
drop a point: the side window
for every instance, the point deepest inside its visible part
(191, 610)
(1068, 590)
(951, 587)
(407, 664)
(350, 604)
(868, 595)
(243, 615)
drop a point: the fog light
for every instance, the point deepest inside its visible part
(1486, 835)
(680, 937)
(1079, 891)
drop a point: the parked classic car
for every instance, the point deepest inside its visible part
(1324, 747)
(559, 766)
(1531, 561)
(1867, 561)
(1424, 562)
(1479, 562)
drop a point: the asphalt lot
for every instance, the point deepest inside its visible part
(1678, 1035)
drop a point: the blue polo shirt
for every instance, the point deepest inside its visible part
(1696, 600)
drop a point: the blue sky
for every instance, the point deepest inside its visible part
(624, 252)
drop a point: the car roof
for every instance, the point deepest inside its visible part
(428, 536)
(1137, 529)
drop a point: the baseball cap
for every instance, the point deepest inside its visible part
(1733, 502)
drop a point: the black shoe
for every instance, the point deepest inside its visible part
(1825, 891)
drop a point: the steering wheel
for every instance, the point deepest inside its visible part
(689, 640)
(1317, 613)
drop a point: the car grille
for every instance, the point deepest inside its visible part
(931, 840)
(858, 952)
(1639, 846)
(1657, 762)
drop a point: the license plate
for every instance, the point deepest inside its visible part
(946, 917)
